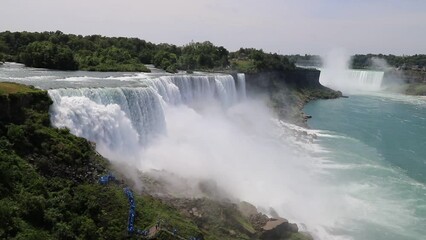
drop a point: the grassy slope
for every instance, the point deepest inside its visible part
(9, 88)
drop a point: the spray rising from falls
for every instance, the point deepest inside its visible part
(203, 127)
(336, 74)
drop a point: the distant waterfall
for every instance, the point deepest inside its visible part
(352, 80)
(372, 80)
(241, 77)
(133, 116)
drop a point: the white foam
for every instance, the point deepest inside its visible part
(204, 131)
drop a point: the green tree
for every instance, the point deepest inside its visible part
(166, 61)
(48, 55)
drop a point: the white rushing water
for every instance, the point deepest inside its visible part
(350, 80)
(90, 113)
(203, 127)
(337, 75)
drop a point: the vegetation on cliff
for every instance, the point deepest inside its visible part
(289, 91)
(57, 50)
(418, 89)
(49, 187)
(7, 88)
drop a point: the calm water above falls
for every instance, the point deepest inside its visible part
(376, 148)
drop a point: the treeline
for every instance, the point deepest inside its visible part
(254, 60)
(363, 61)
(306, 60)
(56, 50)
(367, 61)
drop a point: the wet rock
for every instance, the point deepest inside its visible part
(194, 211)
(247, 209)
(277, 228)
(258, 221)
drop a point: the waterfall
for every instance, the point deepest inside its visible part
(241, 77)
(125, 117)
(90, 112)
(371, 80)
(352, 80)
(190, 89)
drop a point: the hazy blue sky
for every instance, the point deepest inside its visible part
(283, 26)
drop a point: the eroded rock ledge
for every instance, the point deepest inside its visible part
(289, 91)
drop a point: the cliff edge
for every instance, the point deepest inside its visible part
(289, 91)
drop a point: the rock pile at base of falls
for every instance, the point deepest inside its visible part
(215, 212)
(269, 228)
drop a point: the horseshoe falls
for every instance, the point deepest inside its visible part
(350, 80)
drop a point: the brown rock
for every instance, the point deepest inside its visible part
(247, 209)
(277, 228)
(274, 223)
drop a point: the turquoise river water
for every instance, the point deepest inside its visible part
(375, 148)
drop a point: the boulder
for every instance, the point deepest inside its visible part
(247, 209)
(277, 228)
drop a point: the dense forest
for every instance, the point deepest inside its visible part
(56, 50)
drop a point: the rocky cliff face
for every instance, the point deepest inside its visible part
(405, 76)
(288, 91)
(414, 76)
(413, 81)
(298, 79)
